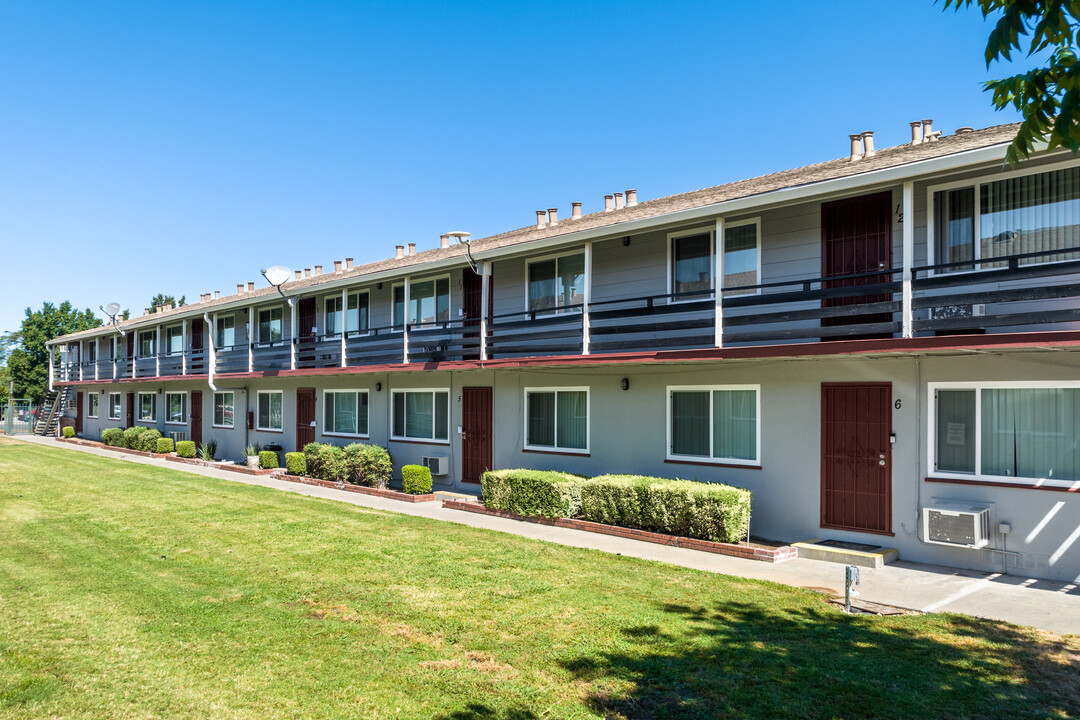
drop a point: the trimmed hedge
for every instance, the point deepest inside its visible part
(268, 460)
(709, 511)
(186, 448)
(113, 437)
(416, 479)
(68, 432)
(532, 492)
(296, 463)
(326, 462)
(148, 440)
(131, 437)
(369, 465)
(164, 445)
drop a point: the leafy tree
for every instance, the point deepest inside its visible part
(161, 299)
(28, 362)
(1047, 96)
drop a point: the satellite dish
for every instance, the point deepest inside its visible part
(460, 235)
(277, 275)
(112, 308)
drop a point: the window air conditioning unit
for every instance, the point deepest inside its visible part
(958, 524)
(178, 436)
(437, 464)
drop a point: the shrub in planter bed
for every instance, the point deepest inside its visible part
(326, 462)
(148, 441)
(164, 445)
(709, 511)
(131, 437)
(369, 465)
(416, 479)
(296, 463)
(268, 459)
(311, 457)
(113, 436)
(532, 492)
(68, 432)
(186, 448)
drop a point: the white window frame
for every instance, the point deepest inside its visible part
(671, 238)
(168, 351)
(138, 408)
(556, 257)
(185, 413)
(258, 400)
(356, 391)
(556, 448)
(975, 183)
(258, 325)
(218, 327)
(413, 282)
(91, 352)
(709, 460)
(93, 402)
(432, 391)
(737, 292)
(213, 410)
(119, 406)
(978, 476)
(345, 313)
(153, 343)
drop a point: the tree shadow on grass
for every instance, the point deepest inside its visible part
(477, 711)
(735, 660)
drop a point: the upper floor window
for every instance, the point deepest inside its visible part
(429, 302)
(112, 348)
(91, 351)
(270, 325)
(147, 340)
(354, 319)
(691, 263)
(557, 283)
(1018, 215)
(174, 340)
(742, 257)
(226, 332)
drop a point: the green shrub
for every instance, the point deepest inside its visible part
(186, 448)
(268, 460)
(369, 465)
(113, 436)
(296, 463)
(68, 432)
(532, 492)
(148, 440)
(416, 479)
(164, 445)
(131, 437)
(710, 511)
(331, 463)
(311, 457)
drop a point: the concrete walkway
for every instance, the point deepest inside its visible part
(1052, 606)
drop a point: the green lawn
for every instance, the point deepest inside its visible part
(135, 592)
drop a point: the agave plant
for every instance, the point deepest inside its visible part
(208, 450)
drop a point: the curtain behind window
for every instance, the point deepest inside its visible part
(540, 415)
(1031, 213)
(690, 423)
(956, 431)
(1031, 433)
(419, 412)
(735, 424)
(572, 423)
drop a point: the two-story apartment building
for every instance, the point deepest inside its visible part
(854, 341)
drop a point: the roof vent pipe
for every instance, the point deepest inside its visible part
(553, 216)
(618, 201)
(916, 133)
(856, 147)
(575, 214)
(607, 203)
(964, 130)
(251, 287)
(299, 274)
(541, 219)
(337, 266)
(167, 306)
(217, 294)
(631, 198)
(399, 251)
(307, 272)
(146, 311)
(348, 264)
(239, 288)
(412, 248)
(927, 130)
(868, 143)
(318, 270)
(444, 241)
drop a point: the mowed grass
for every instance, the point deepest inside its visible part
(136, 592)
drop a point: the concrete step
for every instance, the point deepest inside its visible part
(878, 557)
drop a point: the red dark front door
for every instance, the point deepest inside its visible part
(472, 302)
(856, 236)
(131, 409)
(196, 416)
(856, 456)
(307, 333)
(305, 417)
(78, 413)
(476, 424)
(197, 362)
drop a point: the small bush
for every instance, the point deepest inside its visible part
(164, 445)
(148, 440)
(208, 450)
(268, 460)
(369, 465)
(186, 448)
(68, 432)
(331, 464)
(311, 457)
(416, 479)
(113, 436)
(131, 437)
(532, 492)
(296, 463)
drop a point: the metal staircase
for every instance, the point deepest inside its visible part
(52, 409)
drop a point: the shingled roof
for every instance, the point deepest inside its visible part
(830, 170)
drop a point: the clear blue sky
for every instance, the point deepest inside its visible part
(180, 146)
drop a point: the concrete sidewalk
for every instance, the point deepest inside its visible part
(1052, 606)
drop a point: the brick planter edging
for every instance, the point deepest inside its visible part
(746, 551)
(360, 489)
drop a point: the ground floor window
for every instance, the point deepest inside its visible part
(421, 415)
(714, 423)
(557, 419)
(92, 405)
(223, 409)
(345, 412)
(148, 406)
(270, 404)
(114, 406)
(1007, 431)
(176, 408)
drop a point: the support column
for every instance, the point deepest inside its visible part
(485, 295)
(251, 338)
(405, 321)
(211, 352)
(183, 347)
(909, 257)
(294, 331)
(585, 330)
(718, 284)
(80, 353)
(97, 356)
(344, 321)
(52, 367)
(157, 351)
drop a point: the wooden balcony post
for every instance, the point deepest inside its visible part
(294, 331)
(909, 255)
(157, 351)
(485, 294)
(585, 334)
(345, 321)
(97, 355)
(80, 361)
(251, 338)
(718, 284)
(52, 367)
(183, 347)
(211, 347)
(404, 320)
